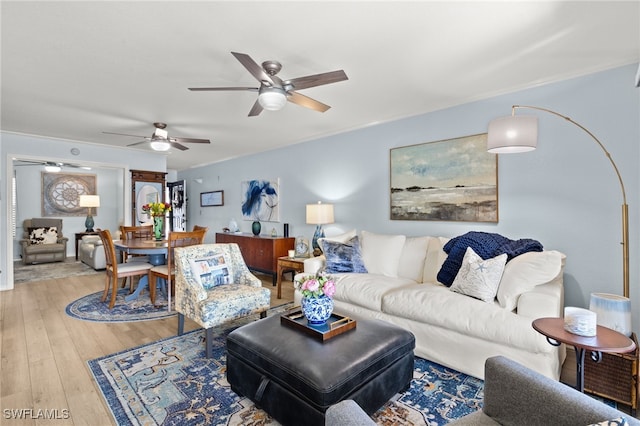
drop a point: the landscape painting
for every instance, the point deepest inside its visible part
(448, 180)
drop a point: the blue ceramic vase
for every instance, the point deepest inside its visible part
(317, 310)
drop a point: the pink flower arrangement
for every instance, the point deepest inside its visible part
(316, 285)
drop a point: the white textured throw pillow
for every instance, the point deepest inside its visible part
(479, 278)
(381, 253)
(523, 273)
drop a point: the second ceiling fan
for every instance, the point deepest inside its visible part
(274, 92)
(160, 140)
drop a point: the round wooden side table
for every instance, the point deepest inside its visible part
(605, 340)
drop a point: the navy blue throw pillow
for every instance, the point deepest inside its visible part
(343, 257)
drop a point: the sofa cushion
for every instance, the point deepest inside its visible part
(525, 272)
(434, 259)
(43, 235)
(435, 304)
(381, 253)
(411, 264)
(211, 271)
(343, 257)
(366, 290)
(478, 277)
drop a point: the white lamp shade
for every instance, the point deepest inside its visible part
(517, 133)
(272, 99)
(613, 311)
(89, 201)
(319, 214)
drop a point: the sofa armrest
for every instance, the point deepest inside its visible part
(546, 300)
(514, 394)
(313, 265)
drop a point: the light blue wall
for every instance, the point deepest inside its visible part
(111, 165)
(565, 194)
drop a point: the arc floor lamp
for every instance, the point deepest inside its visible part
(520, 134)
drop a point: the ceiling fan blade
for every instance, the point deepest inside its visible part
(189, 140)
(178, 146)
(210, 89)
(123, 134)
(256, 70)
(306, 102)
(256, 109)
(317, 79)
(138, 143)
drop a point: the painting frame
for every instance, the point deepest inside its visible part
(260, 200)
(452, 180)
(60, 193)
(212, 199)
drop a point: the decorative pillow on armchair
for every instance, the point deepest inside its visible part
(343, 257)
(47, 235)
(212, 271)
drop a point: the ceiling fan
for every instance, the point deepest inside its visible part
(160, 140)
(50, 166)
(274, 92)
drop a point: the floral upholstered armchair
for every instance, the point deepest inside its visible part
(213, 286)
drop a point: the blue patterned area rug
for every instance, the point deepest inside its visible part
(171, 382)
(90, 308)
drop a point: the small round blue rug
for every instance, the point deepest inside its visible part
(90, 308)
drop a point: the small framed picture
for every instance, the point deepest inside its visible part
(212, 198)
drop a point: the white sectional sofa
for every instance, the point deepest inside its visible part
(452, 329)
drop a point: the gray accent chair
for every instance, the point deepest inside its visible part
(516, 395)
(513, 395)
(42, 253)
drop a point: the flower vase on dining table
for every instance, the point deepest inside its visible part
(158, 222)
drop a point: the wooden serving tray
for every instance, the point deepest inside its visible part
(335, 325)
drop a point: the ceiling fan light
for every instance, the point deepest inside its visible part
(160, 145)
(272, 99)
(52, 168)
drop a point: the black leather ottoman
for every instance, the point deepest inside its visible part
(295, 378)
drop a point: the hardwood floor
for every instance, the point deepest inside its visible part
(44, 352)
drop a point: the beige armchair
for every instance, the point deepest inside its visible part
(42, 243)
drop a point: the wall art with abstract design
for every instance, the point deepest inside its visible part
(61, 193)
(448, 180)
(260, 200)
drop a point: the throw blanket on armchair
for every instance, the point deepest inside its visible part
(486, 245)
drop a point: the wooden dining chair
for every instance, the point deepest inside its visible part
(115, 271)
(200, 228)
(167, 271)
(130, 232)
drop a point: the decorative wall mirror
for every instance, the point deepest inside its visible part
(146, 187)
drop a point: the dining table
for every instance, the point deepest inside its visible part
(156, 250)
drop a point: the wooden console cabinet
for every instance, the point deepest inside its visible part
(260, 253)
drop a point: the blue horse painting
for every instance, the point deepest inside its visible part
(260, 200)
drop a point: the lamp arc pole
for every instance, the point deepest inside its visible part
(625, 207)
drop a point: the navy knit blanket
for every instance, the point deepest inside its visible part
(486, 245)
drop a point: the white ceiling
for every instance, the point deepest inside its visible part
(72, 70)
